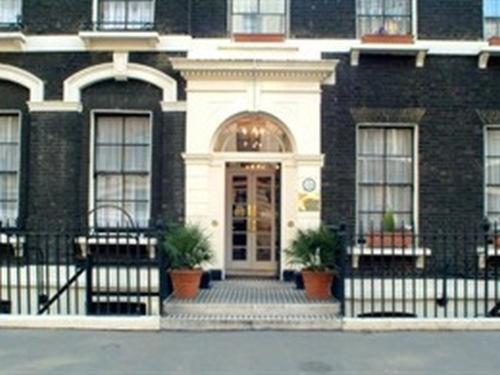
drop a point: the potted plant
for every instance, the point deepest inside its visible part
(187, 248)
(315, 250)
(390, 236)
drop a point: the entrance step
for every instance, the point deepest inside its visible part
(248, 305)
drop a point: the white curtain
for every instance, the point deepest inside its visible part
(384, 16)
(10, 10)
(385, 175)
(122, 169)
(116, 14)
(493, 173)
(259, 16)
(9, 168)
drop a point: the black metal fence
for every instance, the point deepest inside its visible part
(77, 273)
(424, 275)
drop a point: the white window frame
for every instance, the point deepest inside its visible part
(230, 17)
(95, 17)
(19, 115)
(416, 182)
(94, 114)
(414, 19)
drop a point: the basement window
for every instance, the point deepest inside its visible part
(258, 20)
(9, 169)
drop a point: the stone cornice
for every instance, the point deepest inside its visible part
(308, 70)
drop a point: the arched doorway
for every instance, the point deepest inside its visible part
(254, 144)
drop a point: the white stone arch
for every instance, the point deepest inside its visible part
(74, 84)
(278, 122)
(24, 78)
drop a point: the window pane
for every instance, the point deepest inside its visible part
(109, 130)
(137, 130)
(272, 24)
(397, 25)
(8, 213)
(493, 200)
(9, 129)
(110, 216)
(399, 170)
(273, 6)
(398, 7)
(493, 142)
(136, 159)
(109, 188)
(370, 7)
(370, 222)
(136, 188)
(398, 199)
(371, 141)
(245, 24)
(399, 142)
(245, 6)
(10, 11)
(371, 170)
(493, 171)
(491, 8)
(139, 213)
(108, 158)
(113, 14)
(140, 13)
(371, 198)
(8, 187)
(9, 158)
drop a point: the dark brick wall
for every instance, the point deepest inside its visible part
(450, 19)
(323, 19)
(54, 170)
(209, 18)
(451, 90)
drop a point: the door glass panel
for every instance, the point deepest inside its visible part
(264, 217)
(239, 213)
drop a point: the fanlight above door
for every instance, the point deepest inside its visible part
(253, 133)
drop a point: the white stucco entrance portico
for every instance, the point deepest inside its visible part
(288, 91)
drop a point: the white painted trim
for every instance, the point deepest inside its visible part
(12, 41)
(55, 106)
(418, 252)
(24, 78)
(310, 70)
(388, 49)
(119, 40)
(410, 324)
(416, 182)
(179, 106)
(74, 84)
(149, 323)
(103, 112)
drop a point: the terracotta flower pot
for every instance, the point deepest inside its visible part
(494, 41)
(318, 285)
(388, 240)
(387, 38)
(186, 283)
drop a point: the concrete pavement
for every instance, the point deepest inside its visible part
(78, 352)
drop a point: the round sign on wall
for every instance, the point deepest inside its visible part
(309, 185)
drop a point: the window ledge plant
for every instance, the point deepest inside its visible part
(390, 236)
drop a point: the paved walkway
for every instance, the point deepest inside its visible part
(73, 352)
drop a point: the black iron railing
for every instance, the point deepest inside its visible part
(82, 272)
(425, 275)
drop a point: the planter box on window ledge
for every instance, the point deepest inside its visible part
(494, 41)
(387, 38)
(400, 239)
(258, 37)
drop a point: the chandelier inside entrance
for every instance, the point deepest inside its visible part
(253, 133)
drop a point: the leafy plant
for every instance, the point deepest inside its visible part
(389, 222)
(187, 247)
(314, 249)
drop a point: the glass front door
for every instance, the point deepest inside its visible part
(252, 219)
